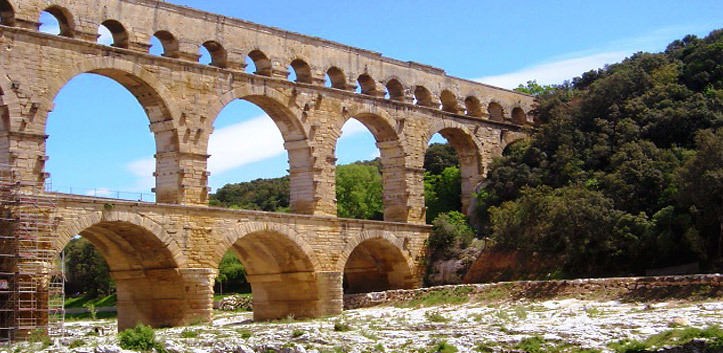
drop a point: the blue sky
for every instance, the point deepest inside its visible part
(99, 139)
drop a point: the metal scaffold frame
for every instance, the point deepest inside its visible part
(31, 274)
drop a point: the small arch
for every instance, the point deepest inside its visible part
(367, 85)
(473, 106)
(302, 71)
(261, 62)
(118, 33)
(337, 79)
(449, 102)
(518, 116)
(495, 111)
(375, 262)
(169, 43)
(65, 20)
(422, 96)
(395, 90)
(218, 53)
(272, 255)
(7, 13)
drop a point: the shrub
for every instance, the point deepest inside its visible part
(341, 327)
(297, 333)
(189, 334)
(142, 338)
(444, 347)
(76, 344)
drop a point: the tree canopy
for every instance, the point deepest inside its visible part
(617, 164)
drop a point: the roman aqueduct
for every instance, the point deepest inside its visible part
(164, 256)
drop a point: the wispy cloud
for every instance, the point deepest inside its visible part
(563, 67)
(554, 72)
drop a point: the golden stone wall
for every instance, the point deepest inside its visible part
(169, 252)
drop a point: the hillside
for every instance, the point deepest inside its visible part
(625, 172)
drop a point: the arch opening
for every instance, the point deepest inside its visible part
(118, 34)
(301, 71)
(361, 200)
(473, 107)
(107, 171)
(335, 78)
(217, 55)
(57, 20)
(272, 155)
(7, 13)
(366, 85)
(395, 90)
(518, 116)
(142, 268)
(281, 275)
(495, 112)
(422, 96)
(164, 43)
(259, 63)
(376, 265)
(449, 102)
(453, 169)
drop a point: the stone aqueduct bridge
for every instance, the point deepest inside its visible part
(164, 256)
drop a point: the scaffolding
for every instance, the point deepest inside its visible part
(31, 274)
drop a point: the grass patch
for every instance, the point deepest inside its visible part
(534, 344)
(297, 333)
(435, 316)
(459, 295)
(83, 302)
(443, 347)
(713, 335)
(245, 334)
(76, 344)
(342, 327)
(189, 334)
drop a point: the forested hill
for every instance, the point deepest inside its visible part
(625, 172)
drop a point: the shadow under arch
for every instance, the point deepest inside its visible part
(287, 117)
(157, 101)
(144, 264)
(375, 261)
(280, 267)
(391, 146)
(469, 151)
(7, 13)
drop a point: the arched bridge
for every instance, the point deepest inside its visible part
(168, 252)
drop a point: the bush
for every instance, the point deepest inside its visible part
(76, 344)
(142, 338)
(450, 230)
(341, 327)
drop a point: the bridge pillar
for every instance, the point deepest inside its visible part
(297, 294)
(25, 152)
(164, 297)
(181, 178)
(403, 187)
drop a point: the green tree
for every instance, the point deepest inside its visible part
(533, 88)
(702, 181)
(442, 192)
(86, 269)
(440, 156)
(231, 275)
(359, 191)
(261, 194)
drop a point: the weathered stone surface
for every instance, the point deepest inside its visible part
(164, 256)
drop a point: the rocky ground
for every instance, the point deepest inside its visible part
(563, 325)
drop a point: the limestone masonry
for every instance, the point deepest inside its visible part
(164, 256)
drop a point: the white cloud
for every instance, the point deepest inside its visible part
(352, 127)
(555, 72)
(100, 192)
(143, 170)
(243, 143)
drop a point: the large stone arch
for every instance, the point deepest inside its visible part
(376, 261)
(469, 150)
(388, 133)
(280, 266)
(144, 264)
(287, 116)
(159, 104)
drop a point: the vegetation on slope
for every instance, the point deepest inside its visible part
(625, 172)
